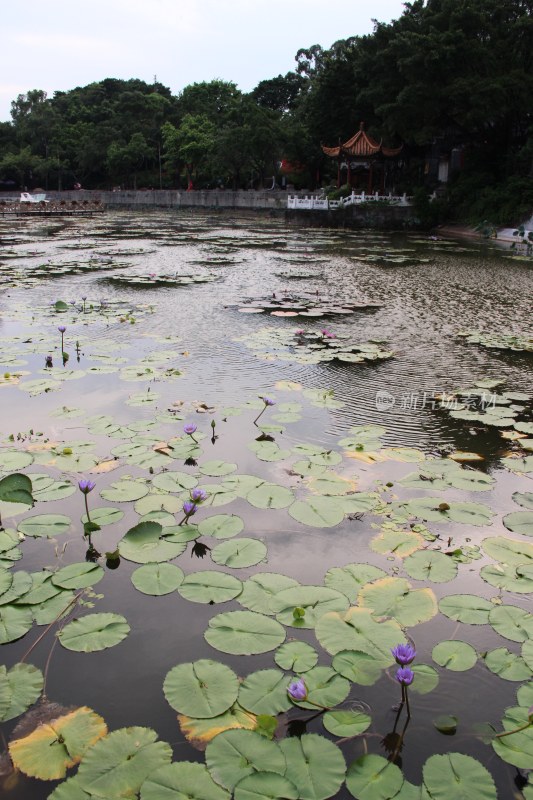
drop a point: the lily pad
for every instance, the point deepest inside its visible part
(238, 553)
(221, 526)
(317, 512)
(351, 578)
(466, 608)
(512, 622)
(78, 576)
(183, 780)
(454, 655)
(235, 754)
(265, 692)
(357, 629)
(58, 745)
(313, 600)
(296, 656)
(157, 579)
(117, 765)
(45, 525)
(259, 590)
(20, 687)
(455, 776)
(519, 522)
(244, 633)
(394, 597)
(94, 632)
(372, 777)
(201, 689)
(210, 587)
(509, 666)
(430, 565)
(265, 786)
(314, 765)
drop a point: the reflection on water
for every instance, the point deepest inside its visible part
(427, 291)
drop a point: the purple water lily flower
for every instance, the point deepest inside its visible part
(198, 495)
(61, 329)
(86, 486)
(190, 428)
(189, 508)
(403, 654)
(297, 690)
(405, 676)
(268, 401)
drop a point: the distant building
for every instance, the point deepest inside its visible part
(365, 164)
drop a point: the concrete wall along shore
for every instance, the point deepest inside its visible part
(273, 202)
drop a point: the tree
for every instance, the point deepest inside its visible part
(190, 145)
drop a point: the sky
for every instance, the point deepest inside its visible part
(56, 45)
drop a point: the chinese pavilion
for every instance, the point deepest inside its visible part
(370, 166)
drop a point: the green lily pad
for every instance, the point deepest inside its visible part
(314, 765)
(235, 754)
(314, 600)
(157, 579)
(296, 656)
(357, 629)
(508, 666)
(217, 468)
(519, 522)
(455, 776)
(430, 565)
(351, 578)
(16, 488)
(511, 577)
(238, 553)
(244, 633)
(325, 687)
(53, 747)
(265, 692)
(117, 765)
(512, 622)
(44, 525)
(125, 491)
(20, 687)
(517, 748)
(221, 526)
(372, 777)
(104, 516)
(94, 632)
(466, 608)
(182, 780)
(454, 655)
(210, 587)
(265, 786)
(346, 723)
(394, 597)
(78, 576)
(433, 509)
(259, 590)
(146, 543)
(426, 679)
(317, 512)
(524, 499)
(174, 481)
(509, 551)
(270, 495)
(14, 623)
(201, 689)
(11, 460)
(359, 666)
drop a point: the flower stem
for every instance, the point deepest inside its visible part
(516, 730)
(261, 412)
(87, 510)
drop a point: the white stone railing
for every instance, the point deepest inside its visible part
(310, 203)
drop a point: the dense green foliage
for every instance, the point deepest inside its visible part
(451, 79)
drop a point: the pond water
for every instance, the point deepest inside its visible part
(175, 319)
